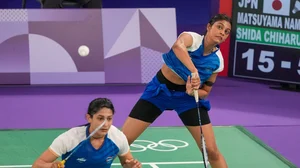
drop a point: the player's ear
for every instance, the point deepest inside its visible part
(88, 118)
(208, 27)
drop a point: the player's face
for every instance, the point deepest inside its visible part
(219, 31)
(98, 118)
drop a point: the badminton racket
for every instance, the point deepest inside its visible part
(204, 151)
(97, 129)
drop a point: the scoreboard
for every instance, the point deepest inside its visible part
(265, 40)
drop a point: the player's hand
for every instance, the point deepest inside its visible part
(132, 163)
(188, 87)
(195, 81)
(57, 164)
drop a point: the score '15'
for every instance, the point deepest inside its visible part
(266, 63)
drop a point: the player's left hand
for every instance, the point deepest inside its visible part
(132, 163)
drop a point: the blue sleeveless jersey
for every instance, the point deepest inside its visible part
(206, 65)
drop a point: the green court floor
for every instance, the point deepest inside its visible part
(158, 147)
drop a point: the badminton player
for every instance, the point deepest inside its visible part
(191, 53)
(100, 151)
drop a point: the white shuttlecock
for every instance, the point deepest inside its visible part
(83, 50)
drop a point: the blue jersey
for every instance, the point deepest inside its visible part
(115, 144)
(206, 65)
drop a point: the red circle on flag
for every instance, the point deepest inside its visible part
(277, 4)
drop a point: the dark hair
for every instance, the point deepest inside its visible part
(99, 103)
(219, 17)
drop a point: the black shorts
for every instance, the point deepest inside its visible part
(146, 111)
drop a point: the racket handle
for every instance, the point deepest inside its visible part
(61, 163)
(195, 91)
(196, 95)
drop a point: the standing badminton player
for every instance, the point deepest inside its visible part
(98, 151)
(191, 53)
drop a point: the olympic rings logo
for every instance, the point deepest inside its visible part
(166, 145)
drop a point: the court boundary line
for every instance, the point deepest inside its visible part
(265, 146)
(118, 164)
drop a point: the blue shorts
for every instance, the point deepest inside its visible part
(161, 94)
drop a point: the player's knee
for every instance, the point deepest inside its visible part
(213, 153)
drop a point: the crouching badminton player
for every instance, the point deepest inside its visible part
(95, 144)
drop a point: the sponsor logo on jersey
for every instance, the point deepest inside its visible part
(81, 160)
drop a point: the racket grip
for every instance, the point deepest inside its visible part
(195, 91)
(196, 95)
(61, 163)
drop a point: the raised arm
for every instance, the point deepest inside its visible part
(183, 42)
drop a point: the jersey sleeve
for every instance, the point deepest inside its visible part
(221, 66)
(67, 141)
(124, 147)
(59, 145)
(197, 41)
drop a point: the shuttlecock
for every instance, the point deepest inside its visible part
(83, 50)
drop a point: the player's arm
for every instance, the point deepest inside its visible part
(127, 161)
(204, 91)
(180, 46)
(46, 160)
(207, 86)
(56, 149)
(125, 156)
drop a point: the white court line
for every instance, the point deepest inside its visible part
(117, 164)
(154, 166)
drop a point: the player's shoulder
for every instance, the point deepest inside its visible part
(76, 132)
(221, 61)
(68, 140)
(192, 33)
(196, 36)
(115, 134)
(113, 130)
(197, 40)
(219, 54)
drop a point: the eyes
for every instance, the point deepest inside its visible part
(221, 27)
(102, 118)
